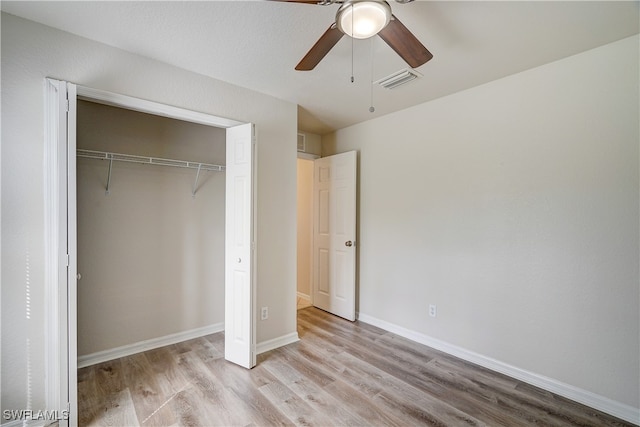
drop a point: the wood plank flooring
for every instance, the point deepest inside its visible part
(339, 374)
(302, 303)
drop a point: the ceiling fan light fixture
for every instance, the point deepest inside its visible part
(363, 19)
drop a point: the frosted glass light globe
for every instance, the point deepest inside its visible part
(363, 19)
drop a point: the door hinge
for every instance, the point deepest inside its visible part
(67, 260)
(66, 106)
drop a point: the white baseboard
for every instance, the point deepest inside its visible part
(305, 297)
(601, 403)
(129, 349)
(272, 344)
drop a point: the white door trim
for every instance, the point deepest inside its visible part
(55, 248)
(155, 108)
(60, 260)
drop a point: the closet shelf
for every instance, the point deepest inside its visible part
(103, 155)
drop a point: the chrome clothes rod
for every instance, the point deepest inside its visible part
(103, 155)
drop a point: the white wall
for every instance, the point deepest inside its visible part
(31, 52)
(149, 253)
(514, 207)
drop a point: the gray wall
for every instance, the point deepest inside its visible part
(31, 52)
(514, 208)
(149, 253)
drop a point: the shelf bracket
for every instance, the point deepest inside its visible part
(195, 184)
(109, 176)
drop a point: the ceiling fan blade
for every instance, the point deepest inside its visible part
(320, 49)
(405, 43)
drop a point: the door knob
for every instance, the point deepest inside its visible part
(348, 243)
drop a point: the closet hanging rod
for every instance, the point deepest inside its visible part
(103, 155)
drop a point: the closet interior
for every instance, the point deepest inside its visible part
(151, 227)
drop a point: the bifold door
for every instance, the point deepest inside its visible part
(240, 340)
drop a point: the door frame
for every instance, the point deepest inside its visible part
(308, 157)
(61, 235)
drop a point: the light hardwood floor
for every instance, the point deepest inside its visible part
(339, 374)
(302, 303)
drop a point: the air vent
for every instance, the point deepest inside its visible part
(399, 78)
(301, 142)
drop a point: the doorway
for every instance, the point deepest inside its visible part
(327, 242)
(305, 233)
(309, 149)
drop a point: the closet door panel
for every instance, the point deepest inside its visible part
(239, 279)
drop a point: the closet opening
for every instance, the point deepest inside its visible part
(62, 277)
(151, 231)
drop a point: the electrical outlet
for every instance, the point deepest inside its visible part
(264, 313)
(432, 310)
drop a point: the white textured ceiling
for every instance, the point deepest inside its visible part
(256, 44)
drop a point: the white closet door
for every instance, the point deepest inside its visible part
(240, 337)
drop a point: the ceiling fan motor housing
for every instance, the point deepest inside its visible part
(362, 19)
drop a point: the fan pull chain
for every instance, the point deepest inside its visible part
(352, 79)
(372, 108)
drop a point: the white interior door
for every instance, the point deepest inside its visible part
(334, 234)
(240, 339)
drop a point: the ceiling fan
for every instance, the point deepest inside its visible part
(362, 19)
